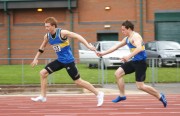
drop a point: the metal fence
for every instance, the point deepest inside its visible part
(20, 71)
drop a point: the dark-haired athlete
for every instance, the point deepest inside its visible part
(135, 62)
(58, 39)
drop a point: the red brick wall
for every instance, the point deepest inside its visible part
(3, 38)
(27, 27)
(94, 10)
(31, 37)
(92, 16)
(27, 32)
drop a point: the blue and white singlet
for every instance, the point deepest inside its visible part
(141, 55)
(61, 47)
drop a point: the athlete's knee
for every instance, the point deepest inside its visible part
(43, 73)
(140, 85)
(76, 77)
(119, 73)
(78, 81)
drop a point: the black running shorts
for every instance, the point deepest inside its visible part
(139, 67)
(70, 68)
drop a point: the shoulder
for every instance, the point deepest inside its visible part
(136, 38)
(64, 31)
(137, 35)
(124, 39)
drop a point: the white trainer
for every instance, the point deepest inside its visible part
(39, 99)
(100, 98)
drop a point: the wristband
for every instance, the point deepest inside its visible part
(41, 51)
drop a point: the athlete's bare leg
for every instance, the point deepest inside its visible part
(43, 76)
(148, 89)
(120, 81)
(86, 85)
(90, 87)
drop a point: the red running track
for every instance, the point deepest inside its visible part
(85, 105)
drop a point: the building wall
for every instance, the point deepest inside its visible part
(27, 27)
(152, 6)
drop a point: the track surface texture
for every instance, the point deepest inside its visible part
(85, 105)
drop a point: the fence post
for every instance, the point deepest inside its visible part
(22, 78)
(177, 71)
(101, 67)
(153, 84)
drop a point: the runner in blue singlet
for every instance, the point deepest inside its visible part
(135, 62)
(141, 55)
(58, 39)
(61, 46)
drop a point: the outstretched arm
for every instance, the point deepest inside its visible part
(40, 51)
(112, 49)
(66, 33)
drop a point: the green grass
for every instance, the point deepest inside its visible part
(18, 74)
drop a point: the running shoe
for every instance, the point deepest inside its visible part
(118, 99)
(163, 99)
(100, 98)
(39, 99)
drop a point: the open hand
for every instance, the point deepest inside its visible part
(34, 63)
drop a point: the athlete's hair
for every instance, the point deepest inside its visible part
(128, 25)
(52, 21)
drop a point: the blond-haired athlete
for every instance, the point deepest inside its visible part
(58, 39)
